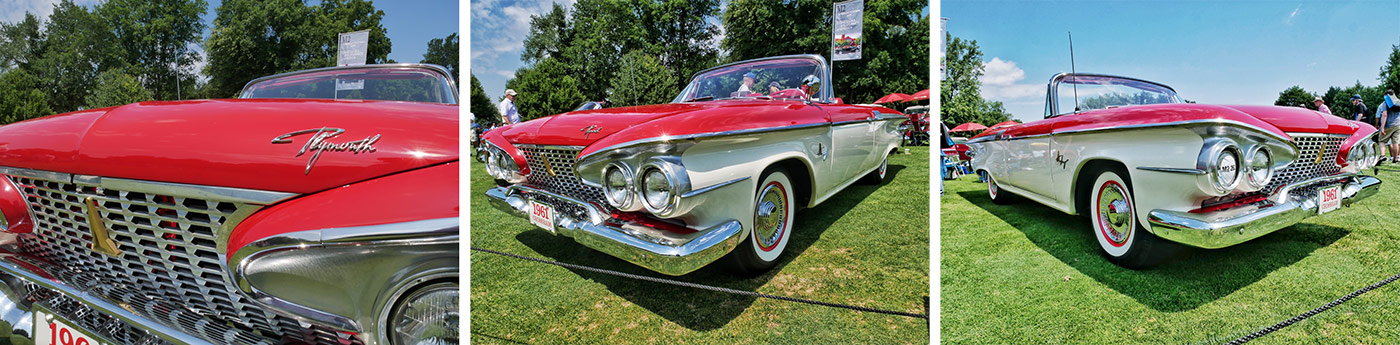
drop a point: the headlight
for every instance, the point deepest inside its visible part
(616, 182)
(428, 316)
(657, 189)
(492, 167)
(1261, 167)
(1357, 156)
(1225, 169)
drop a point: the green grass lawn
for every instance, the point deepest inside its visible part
(867, 246)
(1028, 274)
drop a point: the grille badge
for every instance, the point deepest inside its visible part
(101, 243)
(549, 168)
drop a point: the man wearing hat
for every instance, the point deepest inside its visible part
(747, 87)
(1317, 101)
(509, 115)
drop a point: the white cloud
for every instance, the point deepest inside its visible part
(13, 10)
(1294, 14)
(999, 81)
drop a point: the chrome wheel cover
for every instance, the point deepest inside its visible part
(1115, 213)
(770, 216)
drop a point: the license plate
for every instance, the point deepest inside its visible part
(542, 215)
(1329, 198)
(53, 330)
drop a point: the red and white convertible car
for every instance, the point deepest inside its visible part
(719, 171)
(326, 215)
(1145, 166)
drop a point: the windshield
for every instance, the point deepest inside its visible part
(409, 84)
(1104, 92)
(795, 78)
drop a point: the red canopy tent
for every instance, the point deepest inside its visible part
(894, 97)
(970, 126)
(919, 96)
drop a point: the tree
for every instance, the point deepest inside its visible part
(1295, 96)
(1390, 72)
(545, 89)
(483, 110)
(117, 88)
(549, 34)
(77, 46)
(154, 37)
(642, 80)
(895, 42)
(20, 97)
(19, 42)
(444, 52)
(255, 38)
(960, 94)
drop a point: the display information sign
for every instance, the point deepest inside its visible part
(354, 47)
(847, 22)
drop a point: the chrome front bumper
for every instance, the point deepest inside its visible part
(1233, 226)
(654, 249)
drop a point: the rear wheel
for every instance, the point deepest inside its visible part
(994, 191)
(773, 212)
(1114, 219)
(878, 176)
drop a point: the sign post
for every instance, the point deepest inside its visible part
(352, 51)
(847, 20)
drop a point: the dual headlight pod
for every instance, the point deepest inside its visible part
(1228, 167)
(656, 186)
(502, 166)
(1363, 155)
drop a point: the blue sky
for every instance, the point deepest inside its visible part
(410, 23)
(1216, 52)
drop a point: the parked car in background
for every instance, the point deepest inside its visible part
(319, 208)
(915, 129)
(1150, 170)
(715, 174)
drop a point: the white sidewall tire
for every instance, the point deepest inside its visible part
(773, 253)
(1105, 180)
(992, 189)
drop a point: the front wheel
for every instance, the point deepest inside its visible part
(1114, 219)
(773, 212)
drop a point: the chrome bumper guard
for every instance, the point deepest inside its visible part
(644, 246)
(1233, 226)
(133, 319)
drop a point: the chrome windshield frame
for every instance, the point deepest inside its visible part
(825, 96)
(1052, 96)
(441, 71)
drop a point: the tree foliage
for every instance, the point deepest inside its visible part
(77, 46)
(1390, 72)
(444, 52)
(20, 97)
(1295, 96)
(960, 93)
(642, 80)
(895, 47)
(545, 89)
(154, 39)
(117, 88)
(254, 38)
(588, 43)
(483, 110)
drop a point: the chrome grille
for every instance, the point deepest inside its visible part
(1307, 166)
(544, 159)
(168, 255)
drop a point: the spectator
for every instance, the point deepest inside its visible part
(509, 115)
(747, 87)
(1317, 101)
(1388, 111)
(773, 88)
(1359, 113)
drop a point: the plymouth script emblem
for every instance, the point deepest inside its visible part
(589, 130)
(319, 143)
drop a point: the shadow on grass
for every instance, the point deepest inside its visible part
(1192, 278)
(698, 309)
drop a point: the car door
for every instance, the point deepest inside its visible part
(1030, 157)
(854, 135)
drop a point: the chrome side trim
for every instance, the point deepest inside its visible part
(1180, 123)
(1033, 136)
(703, 135)
(374, 246)
(1175, 170)
(712, 187)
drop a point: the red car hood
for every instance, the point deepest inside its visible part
(230, 143)
(1299, 120)
(581, 128)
